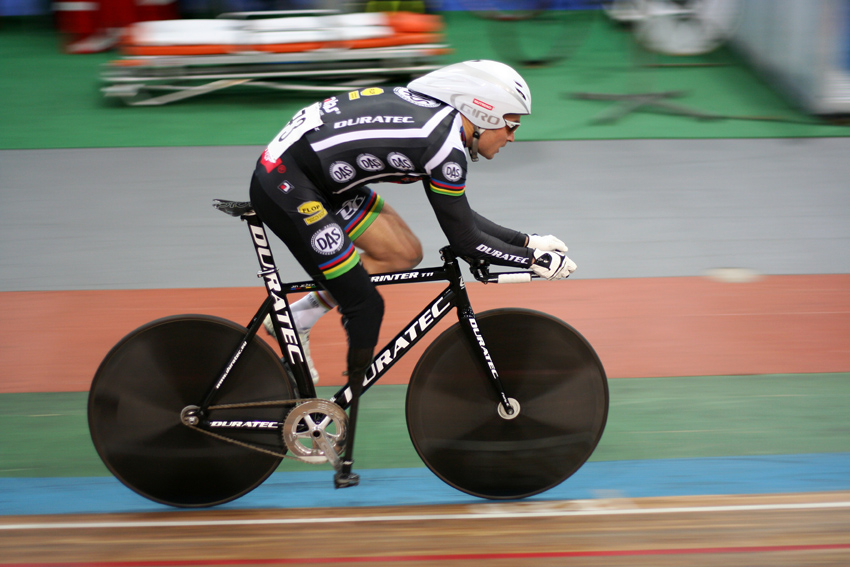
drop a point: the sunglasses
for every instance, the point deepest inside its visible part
(511, 126)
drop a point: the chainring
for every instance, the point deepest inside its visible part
(309, 420)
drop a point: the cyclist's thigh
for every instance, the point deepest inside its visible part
(378, 230)
(291, 206)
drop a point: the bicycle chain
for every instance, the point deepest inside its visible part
(294, 403)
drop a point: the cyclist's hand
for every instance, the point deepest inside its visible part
(547, 242)
(552, 265)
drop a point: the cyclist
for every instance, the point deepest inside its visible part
(310, 188)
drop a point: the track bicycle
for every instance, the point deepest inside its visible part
(196, 410)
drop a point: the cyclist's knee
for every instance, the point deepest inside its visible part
(409, 253)
(400, 251)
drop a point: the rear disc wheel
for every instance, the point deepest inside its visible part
(150, 376)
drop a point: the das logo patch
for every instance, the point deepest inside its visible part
(400, 161)
(328, 240)
(368, 162)
(341, 171)
(452, 171)
(415, 98)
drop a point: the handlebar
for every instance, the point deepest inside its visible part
(480, 270)
(513, 277)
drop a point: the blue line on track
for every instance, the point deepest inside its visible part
(767, 474)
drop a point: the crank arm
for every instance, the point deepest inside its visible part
(321, 440)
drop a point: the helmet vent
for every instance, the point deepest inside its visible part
(519, 90)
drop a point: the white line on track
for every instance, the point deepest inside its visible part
(549, 513)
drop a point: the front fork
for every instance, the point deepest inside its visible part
(508, 407)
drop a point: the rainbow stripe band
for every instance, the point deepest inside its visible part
(365, 217)
(449, 189)
(320, 297)
(341, 263)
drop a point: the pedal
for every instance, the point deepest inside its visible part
(344, 478)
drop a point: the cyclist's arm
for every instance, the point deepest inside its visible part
(502, 233)
(460, 224)
(470, 234)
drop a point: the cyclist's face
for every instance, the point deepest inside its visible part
(492, 141)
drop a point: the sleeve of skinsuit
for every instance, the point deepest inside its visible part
(466, 238)
(502, 233)
(469, 235)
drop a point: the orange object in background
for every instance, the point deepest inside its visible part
(410, 22)
(383, 29)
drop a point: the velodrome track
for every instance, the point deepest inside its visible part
(648, 222)
(727, 441)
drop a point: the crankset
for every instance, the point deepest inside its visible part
(314, 432)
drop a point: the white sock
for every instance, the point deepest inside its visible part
(310, 308)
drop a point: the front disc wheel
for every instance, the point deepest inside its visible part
(556, 385)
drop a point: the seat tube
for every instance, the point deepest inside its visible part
(281, 315)
(466, 317)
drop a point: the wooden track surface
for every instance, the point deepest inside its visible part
(775, 530)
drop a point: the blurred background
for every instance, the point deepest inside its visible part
(692, 154)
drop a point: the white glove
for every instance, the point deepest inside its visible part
(547, 242)
(552, 265)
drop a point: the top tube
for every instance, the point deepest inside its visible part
(410, 276)
(419, 275)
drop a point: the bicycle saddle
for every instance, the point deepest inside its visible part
(233, 208)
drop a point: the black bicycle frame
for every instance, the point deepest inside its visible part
(454, 296)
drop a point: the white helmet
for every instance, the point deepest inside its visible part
(483, 91)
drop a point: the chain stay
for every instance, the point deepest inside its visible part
(253, 447)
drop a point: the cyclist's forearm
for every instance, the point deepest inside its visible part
(459, 224)
(498, 231)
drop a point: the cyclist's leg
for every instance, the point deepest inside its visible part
(385, 242)
(284, 198)
(300, 218)
(359, 208)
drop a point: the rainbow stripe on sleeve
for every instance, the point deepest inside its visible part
(450, 189)
(340, 263)
(366, 216)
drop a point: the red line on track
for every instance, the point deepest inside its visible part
(446, 557)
